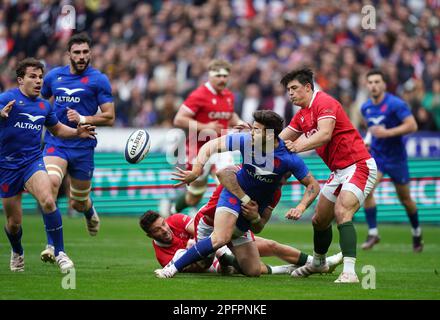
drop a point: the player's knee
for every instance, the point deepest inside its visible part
(14, 224)
(254, 271)
(318, 222)
(272, 245)
(79, 206)
(407, 202)
(47, 203)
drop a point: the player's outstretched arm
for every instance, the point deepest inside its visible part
(82, 131)
(105, 118)
(310, 194)
(320, 138)
(214, 146)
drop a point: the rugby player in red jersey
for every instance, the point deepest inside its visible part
(322, 125)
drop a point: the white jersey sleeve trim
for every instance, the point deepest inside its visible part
(292, 128)
(324, 117)
(187, 108)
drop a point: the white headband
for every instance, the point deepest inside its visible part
(219, 72)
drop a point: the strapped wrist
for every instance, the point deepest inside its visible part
(245, 199)
(82, 119)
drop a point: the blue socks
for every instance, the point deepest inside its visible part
(370, 216)
(200, 250)
(414, 219)
(54, 229)
(15, 240)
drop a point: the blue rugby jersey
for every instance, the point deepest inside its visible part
(20, 133)
(390, 112)
(261, 179)
(83, 92)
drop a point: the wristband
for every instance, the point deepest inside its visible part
(82, 119)
(245, 199)
(256, 220)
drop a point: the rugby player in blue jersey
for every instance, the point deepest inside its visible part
(22, 117)
(78, 91)
(265, 161)
(389, 118)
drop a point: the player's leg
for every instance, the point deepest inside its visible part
(81, 167)
(360, 179)
(224, 225)
(39, 185)
(56, 169)
(192, 196)
(14, 231)
(404, 194)
(248, 258)
(296, 258)
(322, 233)
(81, 202)
(371, 217)
(56, 166)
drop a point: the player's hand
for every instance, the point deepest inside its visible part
(214, 125)
(379, 132)
(6, 109)
(295, 213)
(86, 131)
(242, 126)
(250, 210)
(292, 146)
(73, 115)
(184, 176)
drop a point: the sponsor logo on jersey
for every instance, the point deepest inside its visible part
(376, 120)
(219, 115)
(69, 97)
(28, 125)
(311, 133)
(31, 117)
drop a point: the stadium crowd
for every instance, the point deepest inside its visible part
(156, 52)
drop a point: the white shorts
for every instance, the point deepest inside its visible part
(238, 237)
(359, 178)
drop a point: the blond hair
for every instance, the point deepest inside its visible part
(218, 64)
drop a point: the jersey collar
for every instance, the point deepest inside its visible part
(210, 87)
(161, 244)
(313, 98)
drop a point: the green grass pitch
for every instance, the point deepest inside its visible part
(119, 264)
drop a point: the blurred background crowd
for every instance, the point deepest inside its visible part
(156, 52)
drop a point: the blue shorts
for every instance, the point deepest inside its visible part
(12, 181)
(80, 163)
(230, 203)
(398, 171)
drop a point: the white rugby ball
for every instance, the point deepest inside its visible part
(137, 146)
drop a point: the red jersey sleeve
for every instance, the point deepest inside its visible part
(327, 108)
(194, 102)
(295, 123)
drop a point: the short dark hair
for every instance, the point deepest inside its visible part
(78, 39)
(304, 76)
(270, 120)
(374, 72)
(20, 71)
(147, 219)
